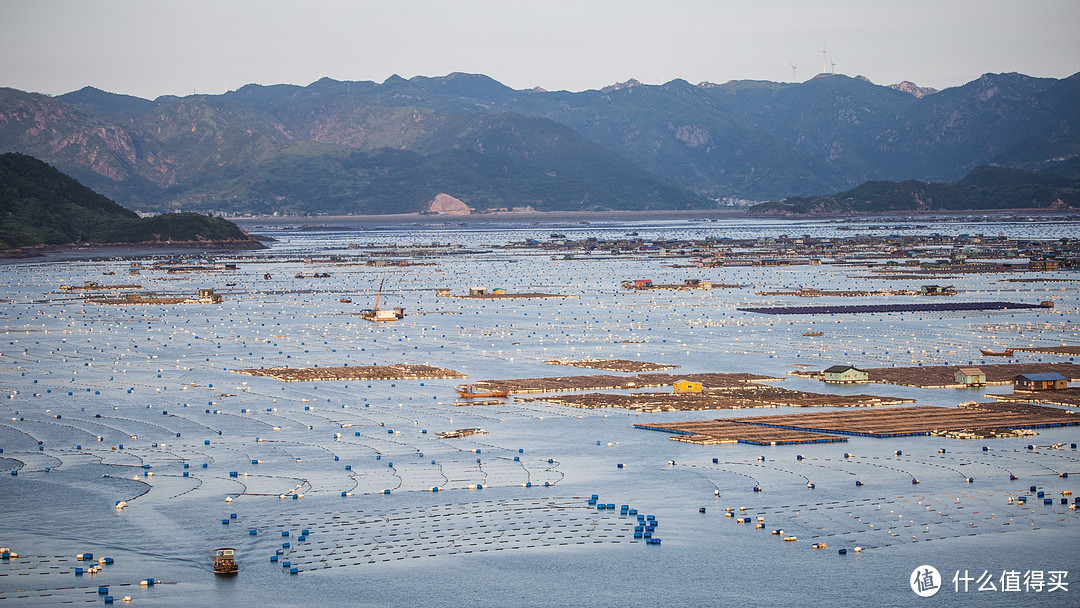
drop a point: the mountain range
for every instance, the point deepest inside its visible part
(390, 147)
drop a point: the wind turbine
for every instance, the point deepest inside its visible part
(824, 63)
(794, 66)
(833, 65)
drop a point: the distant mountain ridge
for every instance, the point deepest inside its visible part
(365, 147)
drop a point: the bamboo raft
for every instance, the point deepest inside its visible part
(944, 376)
(712, 432)
(147, 301)
(354, 372)
(614, 365)
(879, 308)
(742, 397)
(1069, 397)
(840, 293)
(91, 286)
(685, 286)
(921, 420)
(966, 422)
(1050, 350)
(608, 382)
(510, 296)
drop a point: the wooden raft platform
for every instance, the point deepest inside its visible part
(840, 293)
(149, 301)
(921, 420)
(1069, 397)
(886, 308)
(607, 382)
(96, 287)
(944, 376)
(708, 432)
(733, 398)
(980, 419)
(615, 365)
(354, 372)
(1050, 350)
(510, 296)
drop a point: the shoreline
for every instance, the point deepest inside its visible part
(95, 251)
(553, 217)
(502, 217)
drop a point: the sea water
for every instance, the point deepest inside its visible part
(139, 375)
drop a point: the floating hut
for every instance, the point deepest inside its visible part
(1040, 382)
(970, 376)
(844, 374)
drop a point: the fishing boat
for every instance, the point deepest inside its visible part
(377, 315)
(469, 391)
(224, 563)
(1008, 352)
(814, 333)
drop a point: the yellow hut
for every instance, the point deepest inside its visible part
(685, 386)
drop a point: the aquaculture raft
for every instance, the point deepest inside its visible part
(354, 372)
(710, 432)
(921, 420)
(614, 365)
(865, 308)
(1051, 350)
(730, 398)
(607, 382)
(981, 419)
(1068, 397)
(944, 376)
(510, 296)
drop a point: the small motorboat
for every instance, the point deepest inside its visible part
(468, 391)
(224, 563)
(1008, 352)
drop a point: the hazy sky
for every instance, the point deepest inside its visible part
(153, 47)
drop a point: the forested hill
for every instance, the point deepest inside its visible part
(985, 188)
(39, 205)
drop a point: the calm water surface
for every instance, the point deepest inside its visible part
(153, 372)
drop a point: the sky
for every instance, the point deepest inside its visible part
(149, 48)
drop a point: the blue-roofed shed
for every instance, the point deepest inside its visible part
(1040, 382)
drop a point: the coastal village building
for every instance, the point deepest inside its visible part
(845, 374)
(1040, 382)
(685, 386)
(937, 290)
(207, 296)
(970, 376)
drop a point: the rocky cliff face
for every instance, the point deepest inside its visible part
(447, 205)
(910, 87)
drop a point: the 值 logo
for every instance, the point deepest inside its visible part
(925, 581)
